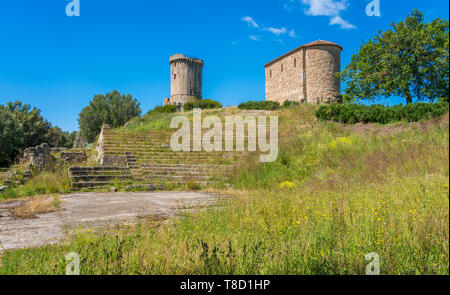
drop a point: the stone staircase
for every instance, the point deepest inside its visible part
(144, 158)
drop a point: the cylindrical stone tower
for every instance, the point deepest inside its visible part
(322, 64)
(186, 79)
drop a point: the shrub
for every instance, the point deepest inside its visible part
(259, 105)
(203, 104)
(165, 109)
(353, 113)
(289, 103)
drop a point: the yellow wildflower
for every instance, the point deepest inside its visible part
(287, 185)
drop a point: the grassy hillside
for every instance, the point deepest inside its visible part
(335, 193)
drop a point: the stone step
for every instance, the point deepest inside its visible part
(150, 139)
(98, 168)
(137, 142)
(162, 147)
(94, 184)
(184, 170)
(179, 161)
(218, 158)
(135, 166)
(153, 136)
(186, 155)
(100, 178)
(179, 181)
(183, 166)
(120, 144)
(136, 134)
(183, 161)
(172, 177)
(109, 174)
(159, 152)
(175, 157)
(182, 174)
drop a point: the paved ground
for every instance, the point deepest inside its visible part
(92, 210)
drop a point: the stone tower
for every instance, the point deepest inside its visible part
(307, 73)
(185, 80)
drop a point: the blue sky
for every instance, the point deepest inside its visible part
(57, 63)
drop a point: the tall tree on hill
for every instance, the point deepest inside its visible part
(11, 135)
(113, 109)
(408, 60)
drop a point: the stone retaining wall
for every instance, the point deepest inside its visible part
(108, 160)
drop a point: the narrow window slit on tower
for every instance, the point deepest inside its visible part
(295, 62)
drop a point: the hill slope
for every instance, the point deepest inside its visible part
(335, 194)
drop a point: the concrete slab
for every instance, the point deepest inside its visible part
(92, 210)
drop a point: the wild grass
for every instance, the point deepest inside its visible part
(151, 121)
(56, 181)
(36, 205)
(333, 196)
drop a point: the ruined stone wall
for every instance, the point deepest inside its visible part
(73, 157)
(305, 74)
(39, 156)
(186, 79)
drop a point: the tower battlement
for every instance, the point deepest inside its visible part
(182, 57)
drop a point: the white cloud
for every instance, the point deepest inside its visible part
(292, 34)
(325, 7)
(276, 31)
(337, 20)
(250, 21)
(254, 38)
(331, 8)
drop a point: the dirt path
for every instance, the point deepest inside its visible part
(92, 210)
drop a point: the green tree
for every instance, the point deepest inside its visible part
(22, 126)
(35, 127)
(113, 109)
(408, 60)
(11, 135)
